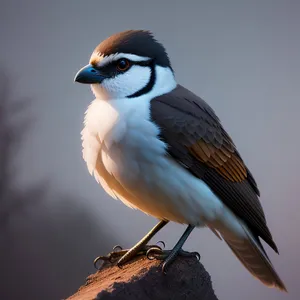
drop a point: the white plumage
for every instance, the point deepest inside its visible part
(122, 149)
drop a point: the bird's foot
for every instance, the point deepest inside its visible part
(124, 255)
(169, 256)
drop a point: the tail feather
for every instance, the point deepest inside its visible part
(251, 254)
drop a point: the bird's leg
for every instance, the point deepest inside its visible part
(138, 249)
(168, 256)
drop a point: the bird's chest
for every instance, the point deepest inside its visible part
(131, 150)
(124, 142)
(122, 149)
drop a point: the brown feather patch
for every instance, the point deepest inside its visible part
(193, 117)
(222, 159)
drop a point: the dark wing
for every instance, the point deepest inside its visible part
(196, 138)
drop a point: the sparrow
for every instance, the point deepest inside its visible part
(159, 148)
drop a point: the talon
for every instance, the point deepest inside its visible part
(153, 247)
(103, 258)
(163, 244)
(95, 263)
(117, 247)
(197, 255)
(153, 250)
(164, 268)
(148, 255)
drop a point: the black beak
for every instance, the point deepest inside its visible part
(89, 75)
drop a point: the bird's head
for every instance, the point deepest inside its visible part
(128, 64)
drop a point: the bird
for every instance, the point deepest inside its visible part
(159, 148)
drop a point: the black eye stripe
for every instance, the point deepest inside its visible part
(110, 69)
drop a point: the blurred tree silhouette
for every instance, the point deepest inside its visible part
(46, 246)
(12, 129)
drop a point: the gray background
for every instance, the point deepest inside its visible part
(242, 57)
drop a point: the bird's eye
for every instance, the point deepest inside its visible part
(123, 64)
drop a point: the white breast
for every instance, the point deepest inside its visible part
(122, 150)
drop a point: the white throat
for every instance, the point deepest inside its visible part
(134, 80)
(108, 120)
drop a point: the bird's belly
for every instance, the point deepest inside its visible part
(159, 186)
(129, 160)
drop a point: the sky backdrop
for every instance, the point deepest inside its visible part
(242, 57)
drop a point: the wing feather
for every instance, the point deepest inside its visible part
(196, 138)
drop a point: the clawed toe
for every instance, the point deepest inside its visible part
(150, 251)
(133, 253)
(168, 256)
(110, 258)
(157, 253)
(124, 255)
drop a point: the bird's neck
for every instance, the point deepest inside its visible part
(165, 82)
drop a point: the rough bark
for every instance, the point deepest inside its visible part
(143, 279)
